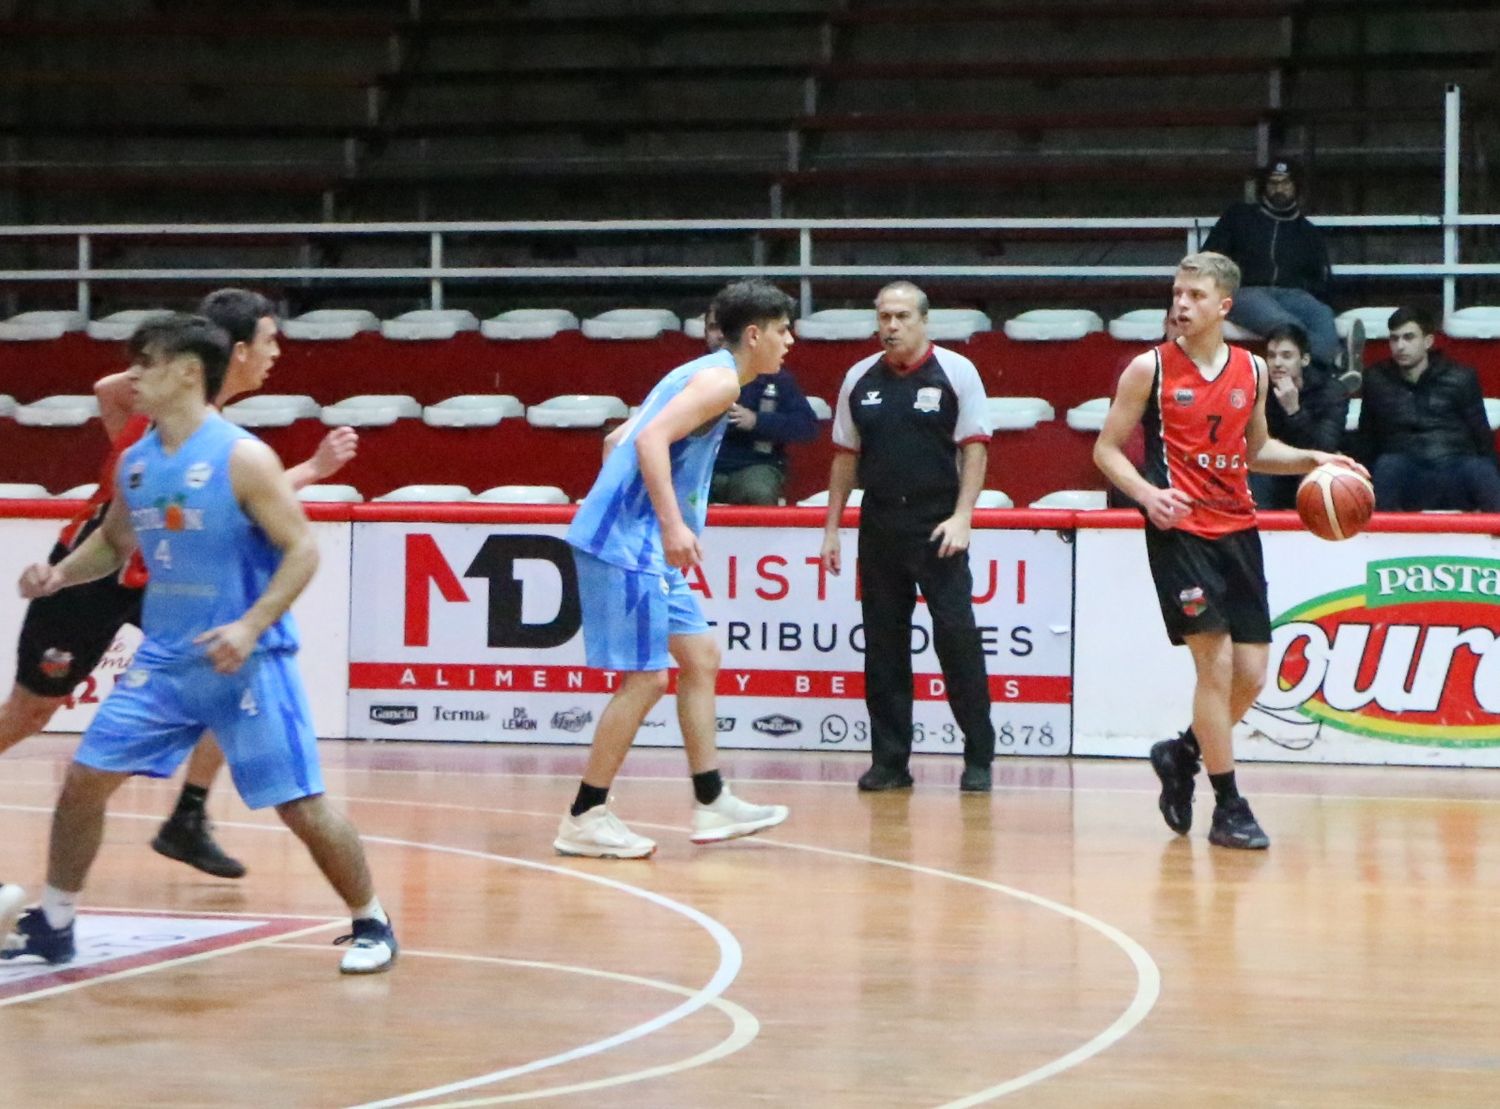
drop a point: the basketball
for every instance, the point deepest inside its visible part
(1335, 502)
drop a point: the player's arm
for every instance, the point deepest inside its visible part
(706, 397)
(1164, 507)
(1272, 456)
(116, 396)
(264, 492)
(98, 556)
(335, 450)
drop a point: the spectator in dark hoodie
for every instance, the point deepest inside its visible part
(1304, 408)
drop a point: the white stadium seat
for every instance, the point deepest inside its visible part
(119, 326)
(329, 324)
(993, 498)
(956, 325)
(7, 404)
(820, 500)
(523, 494)
(68, 410)
(426, 324)
(631, 323)
(272, 410)
(35, 327)
(837, 323)
(1492, 412)
(576, 410)
(1376, 321)
(22, 491)
(1079, 499)
(1088, 416)
(79, 492)
(528, 323)
(1018, 413)
(428, 493)
(472, 410)
(1142, 325)
(1351, 421)
(333, 494)
(694, 328)
(371, 410)
(1053, 324)
(1479, 322)
(821, 408)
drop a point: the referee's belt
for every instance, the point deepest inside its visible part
(928, 499)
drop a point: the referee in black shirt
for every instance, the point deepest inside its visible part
(913, 423)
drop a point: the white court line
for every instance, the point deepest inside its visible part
(744, 1025)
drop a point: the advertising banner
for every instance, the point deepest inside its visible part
(472, 631)
(1384, 650)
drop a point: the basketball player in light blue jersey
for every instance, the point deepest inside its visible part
(229, 550)
(632, 537)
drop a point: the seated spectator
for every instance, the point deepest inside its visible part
(1304, 408)
(1422, 426)
(1285, 276)
(771, 412)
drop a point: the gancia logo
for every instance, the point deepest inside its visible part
(572, 720)
(519, 722)
(393, 714)
(777, 724)
(725, 723)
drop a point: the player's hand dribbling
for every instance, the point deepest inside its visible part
(829, 556)
(1166, 508)
(40, 579)
(336, 449)
(228, 646)
(680, 547)
(1324, 458)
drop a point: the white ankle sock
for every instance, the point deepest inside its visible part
(372, 911)
(58, 907)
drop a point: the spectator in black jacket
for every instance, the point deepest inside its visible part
(1305, 408)
(1284, 265)
(771, 412)
(1422, 426)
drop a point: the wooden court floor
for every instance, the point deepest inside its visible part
(1049, 945)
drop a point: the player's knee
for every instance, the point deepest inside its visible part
(86, 787)
(648, 683)
(700, 656)
(301, 815)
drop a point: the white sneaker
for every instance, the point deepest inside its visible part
(12, 897)
(729, 818)
(373, 947)
(600, 834)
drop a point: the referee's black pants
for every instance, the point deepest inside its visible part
(896, 557)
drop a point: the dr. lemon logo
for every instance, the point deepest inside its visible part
(1410, 656)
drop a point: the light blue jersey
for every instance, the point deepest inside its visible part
(616, 523)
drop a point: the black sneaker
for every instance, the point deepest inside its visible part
(1352, 374)
(189, 839)
(877, 779)
(1234, 826)
(1176, 766)
(34, 936)
(976, 779)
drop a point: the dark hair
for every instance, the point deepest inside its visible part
(738, 305)
(237, 311)
(179, 333)
(1419, 316)
(1289, 333)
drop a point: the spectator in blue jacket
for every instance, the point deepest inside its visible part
(771, 412)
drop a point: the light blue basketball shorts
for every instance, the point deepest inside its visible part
(630, 615)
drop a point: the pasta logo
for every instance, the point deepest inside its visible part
(1411, 655)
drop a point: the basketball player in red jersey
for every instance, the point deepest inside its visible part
(64, 636)
(1203, 405)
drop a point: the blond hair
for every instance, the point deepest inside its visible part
(1219, 268)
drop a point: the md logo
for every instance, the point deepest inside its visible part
(496, 562)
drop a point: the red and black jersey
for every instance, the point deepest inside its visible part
(78, 528)
(1195, 437)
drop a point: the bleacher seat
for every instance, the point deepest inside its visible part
(426, 324)
(1088, 416)
(956, 325)
(631, 323)
(694, 328)
(472, 410)
(328, 324)
(428, 493)
(329, 494)
(993, 498)
(1376, 321)
(79, 492)
(1492, 412)
(1480, 322)
(38, 327)
(22, 491)
(1018, 413)
(523, 494)
(528, 323)
(7, 404)
(1141, 325)
(1078, 499)
(838, 323)
(821, 408)
(576, 410)
(820, 499)
(1053, 324)
(272, 410)
(1351, 421)
(67, 410)
(370, 410)
(119, 326)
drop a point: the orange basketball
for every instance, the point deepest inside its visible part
(1335, 502)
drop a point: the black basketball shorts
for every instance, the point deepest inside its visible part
(1210, 585)
(64, 636)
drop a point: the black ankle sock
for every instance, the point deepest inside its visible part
(190, 802)
(1190, 741)
(589, 797)
(707, 786)
(1224, 787)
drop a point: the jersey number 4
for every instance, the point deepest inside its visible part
(163, 554)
